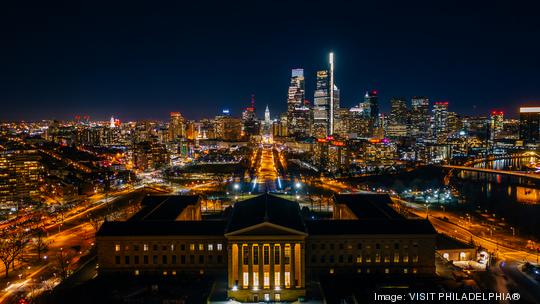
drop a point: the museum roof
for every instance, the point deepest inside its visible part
(266, 208)
(369, 226)
(163, 207)
(368, 205)
(162, 228)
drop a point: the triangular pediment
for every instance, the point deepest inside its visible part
(265, 229)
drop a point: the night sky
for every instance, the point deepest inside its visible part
(141, 60)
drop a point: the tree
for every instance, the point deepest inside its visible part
(39, 244)
(63, 262)
(11, 247)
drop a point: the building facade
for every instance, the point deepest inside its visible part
(269, 251)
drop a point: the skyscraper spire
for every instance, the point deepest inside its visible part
(331, 131)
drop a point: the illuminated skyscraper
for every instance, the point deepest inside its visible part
(529, 124)
(177, 128)
(399, 116)
(297, 111)
(321, 105)
(440, 120)
(325, 102)
(399, 113)
(372, 100)
(419, 119)
(496, 125)
(251, 124)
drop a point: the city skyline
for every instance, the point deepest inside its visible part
(114, 66)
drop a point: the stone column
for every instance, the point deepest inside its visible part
(272, 278)
(240, 264)
(250, 265)
(261, 265)
(302, 265)
(230, 274)
(282, 265)
(293, 265)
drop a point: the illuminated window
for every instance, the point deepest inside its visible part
(396, 257)
(359, 270)
(414, 270)
(331, 270)
(386, 259)
(246, 279)
(164, 273)
(256, 279)
(266, 281)
(368, 259)
(245, 254)
(172, 247)
(386, 270)
(415, 259)
(201, 247)
(277, 297)
(287, 254)
(173, 272)
(210, 247)
(219, 246)
(136, 272)
(406, 259)
(287, 279)
(192, 247)
(359, 259)
(277, 278)
(266, 255)
(145, 247)
(117, 247)
(377, 258)
(126, 248)
(256, 255)
(405, 270)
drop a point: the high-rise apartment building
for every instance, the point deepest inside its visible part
(20, 174)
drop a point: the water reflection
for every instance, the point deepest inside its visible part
(515, 164)
(526, 195)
